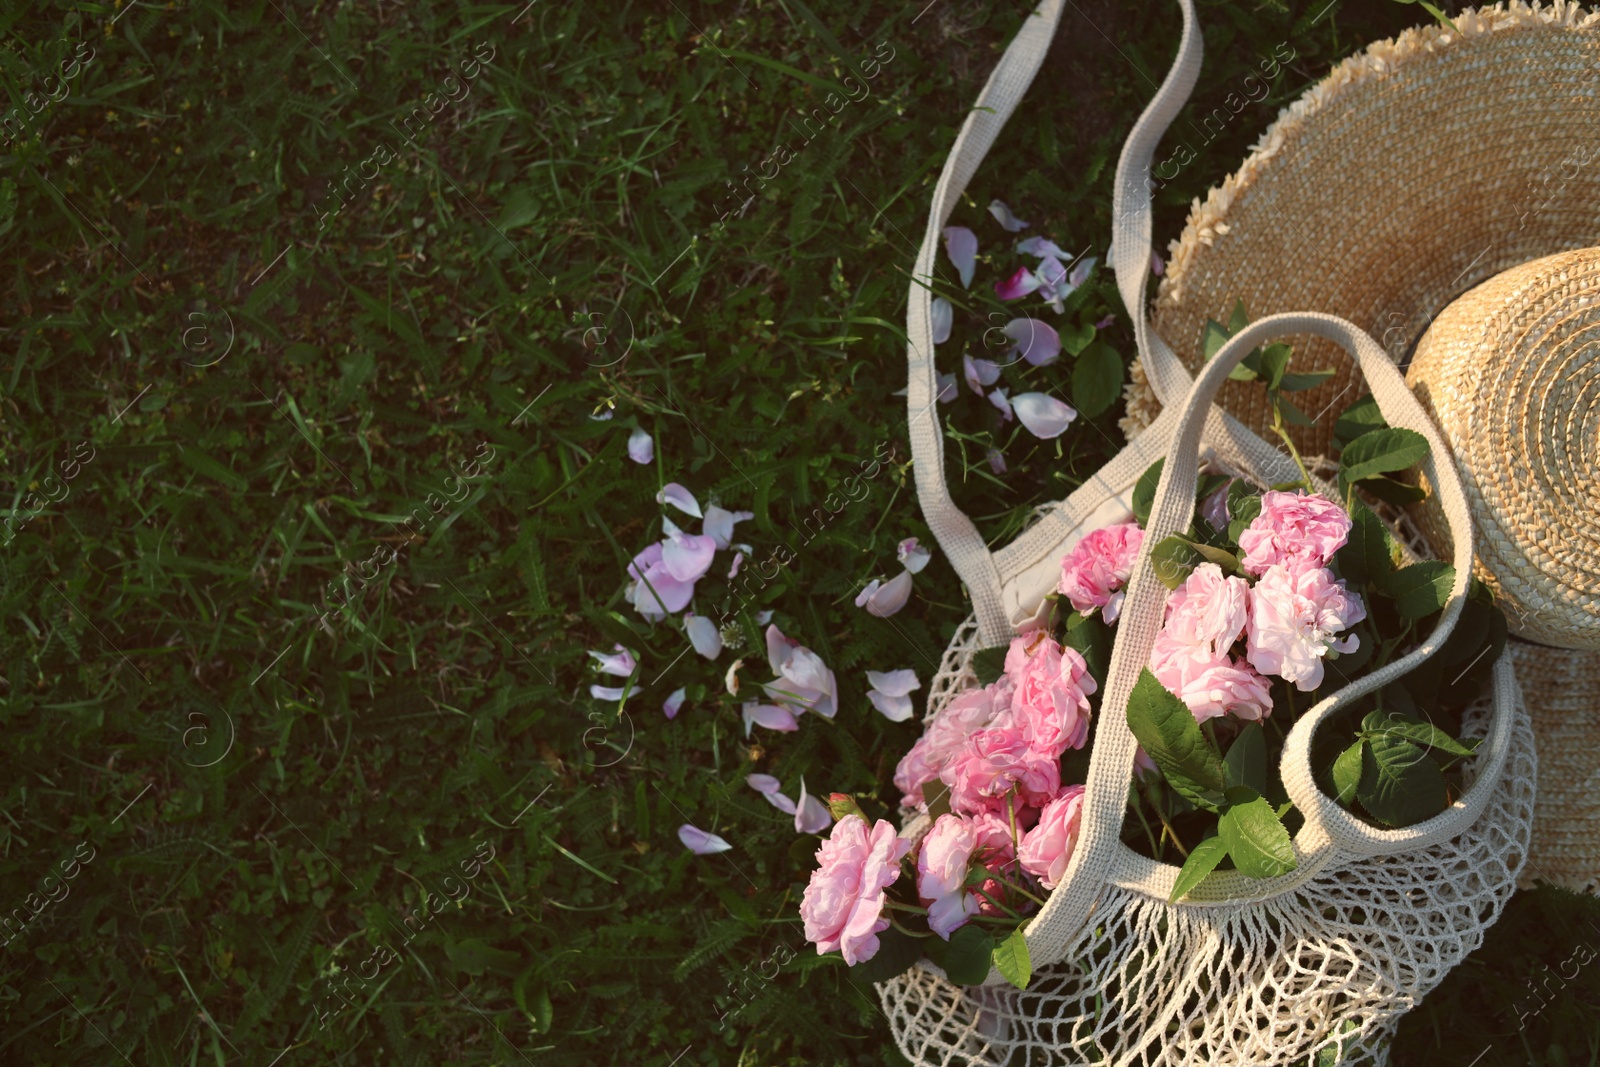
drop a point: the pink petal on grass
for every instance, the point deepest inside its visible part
(912, 555)
(763, 783)
(1080, 272)
(680, 498)
(997, 461)
(718, 524)
(811, 816)
(894, 683)
(961, 245)
(943, 318)
(619, 663)
(687, 557)
(700, 842)
(1157, 267)
(772, 716)
(1037, 342)
(641, 449)
(895, 709)
(703, 635)
(979, 373)
(1002, 214)
(1018, 285)
(947, 388)
(1040, 247)
(733, 571)
(670, 706)
(1043, 415)
(1002, 402)
(608, 692)
(890, 598)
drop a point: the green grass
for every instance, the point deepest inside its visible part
(258, 388)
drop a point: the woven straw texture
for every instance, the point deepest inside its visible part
(1338, 960)
(1563, 689)
(1511, 373)
(1416, 169)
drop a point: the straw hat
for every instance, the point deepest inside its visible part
(1442, 191)
(1415, 170)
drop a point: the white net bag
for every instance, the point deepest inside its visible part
(1312, 967)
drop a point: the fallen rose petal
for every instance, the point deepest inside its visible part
(763, 783)
(1157, 267)
(913, 555)
(999, 399)
(686, 557)
(1035, 341)
(947, 388)
(733, 571)
(641, 449)
(730, 680)
(680, 498)
(997, 461)
(718, 524)
(867, 592)
(890, 598)
(894, 708)
(961, 245)
(1105, 322)
(894, 683)
(1041, 247)
(1080, 272)
(1002, 214)
(608, 692)
(1018, 285)
(943, 317)
(979, 373)
(700, 842)
(703, 635)
(1043, 415)
(811, 816)
(619, 663)
(604, 416)
(763, 617)
(772, 716)
(671, 705)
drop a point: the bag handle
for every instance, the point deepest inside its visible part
(952, 529)
(1111, 763)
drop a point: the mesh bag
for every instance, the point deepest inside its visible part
(1319, 963)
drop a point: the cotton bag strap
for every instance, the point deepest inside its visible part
(1099, 848)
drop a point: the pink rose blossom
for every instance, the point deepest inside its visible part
(1298, 530)
(997, 851)
(1094, 572)
(944, 736)
(1048, 846)
(1052, 693)
(1208, 610)
(942, 874)
(1209, 685)
(843, 904)
(996, 760)
(1294, 617)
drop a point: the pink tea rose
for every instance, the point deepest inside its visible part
(1294, 620)
(1209, 685)
(996, 760)
(1048, 846)
(1094, 572)
(997, 851)
(942, 874)
(1208, 610)
(944, 736)
(1052, 693)
(1297, 530)
(843, 904)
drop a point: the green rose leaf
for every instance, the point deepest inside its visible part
(1246, 761)
(1011, 958)
(1400, 785)
(967, 957)
(897, 952)
(1091, 638)
(1418, 732)
(1243, 507)
(1296, 383)
(1422, 588)
(1368, 556)
(1391, 491)
(1347, 772)
(1257, 839)
(989, 664)
(1174, 559)
(1203, 859)
(1096, 379)
(1380, 452)
(1361, 417)
(1166, 728)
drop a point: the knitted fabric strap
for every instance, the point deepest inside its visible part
(956, 534)
(1099, 854)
